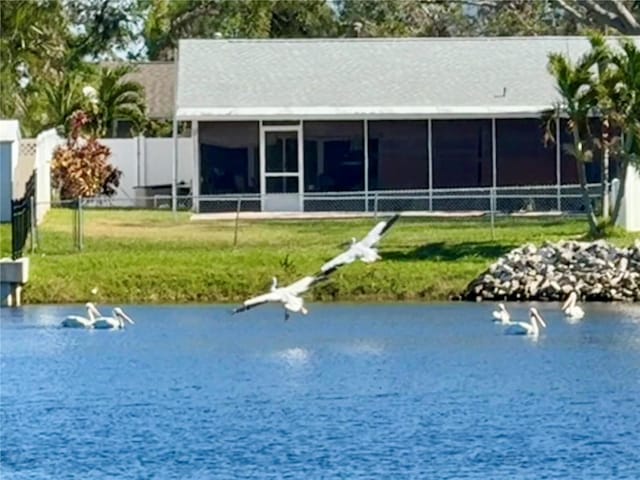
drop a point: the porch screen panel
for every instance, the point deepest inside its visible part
(521, 155)
(568, 166)
(333, 156)
(398, 155)
(229, 158)
(461, 153)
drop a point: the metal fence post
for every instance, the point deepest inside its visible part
(375, 205)
(80, 224)
(32, 217)
(74, 222)
(492, 205)
(235, 231)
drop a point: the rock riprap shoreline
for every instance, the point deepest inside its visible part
(596, 271)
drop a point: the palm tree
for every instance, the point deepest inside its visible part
(118, 99)
(575, 84)
(620, 98)
(59, 99)
(32, 50)
(605, 81)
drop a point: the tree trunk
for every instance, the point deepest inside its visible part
(624, 165)
(606, 209)
(586, 200)
(582, 179)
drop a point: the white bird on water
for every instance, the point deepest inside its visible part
(78, 321)
(570, 309)
(364, 249)
(290, 296)
(531, 329)
(501, 315)
(116, 321)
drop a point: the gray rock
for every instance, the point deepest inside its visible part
(597, 270)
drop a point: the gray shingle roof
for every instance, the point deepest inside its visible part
(367, 77)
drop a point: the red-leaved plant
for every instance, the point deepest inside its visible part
(80, 168)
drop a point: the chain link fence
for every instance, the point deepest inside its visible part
(65, 228)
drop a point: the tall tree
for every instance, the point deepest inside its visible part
(116, 98)
(33, 45)
(574, 84)
(620, 15)
(404, 18)
(103, 27)
(522, 18)
(167, 21)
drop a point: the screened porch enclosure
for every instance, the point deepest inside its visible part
(365, 165)
(229, 164)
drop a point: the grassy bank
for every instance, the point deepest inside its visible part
(150, 257)
(5, 240)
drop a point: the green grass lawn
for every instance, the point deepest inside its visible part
(5, 240)
(152, 257)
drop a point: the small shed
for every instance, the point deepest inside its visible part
(9, 150)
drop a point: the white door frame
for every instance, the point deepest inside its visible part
(264, 129)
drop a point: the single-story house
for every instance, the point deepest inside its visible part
(288, 121)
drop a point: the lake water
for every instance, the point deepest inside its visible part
(350, 391)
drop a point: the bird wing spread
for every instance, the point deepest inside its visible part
(301, 285)
(256, 301)
(380, 229)
(343, 258)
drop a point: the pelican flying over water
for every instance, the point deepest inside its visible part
(364, 249)
(531, 329)
(290, 296)
(570, 309)
(501, 315)
(78, 321)
(116, 321)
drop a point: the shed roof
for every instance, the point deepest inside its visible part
(368, 78)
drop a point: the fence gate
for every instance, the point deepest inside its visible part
(22, 217)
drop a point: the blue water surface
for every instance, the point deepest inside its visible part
(349, 391)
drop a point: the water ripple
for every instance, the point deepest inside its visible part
(415, 391)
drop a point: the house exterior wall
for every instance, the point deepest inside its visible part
(6, 180)
(629, 217)
(9, 152)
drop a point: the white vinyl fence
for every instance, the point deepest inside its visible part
(148, 162)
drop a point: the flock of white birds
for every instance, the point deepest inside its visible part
(291, 296)
(570, 308)
(95, 319)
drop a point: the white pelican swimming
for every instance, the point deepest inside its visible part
(531, 329)
(290, 296)
(77, 321)
(364, 249)
(116, 321)
(570, 309)
(501, 315)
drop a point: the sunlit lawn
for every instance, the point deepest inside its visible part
(151, 256)
(5, 240)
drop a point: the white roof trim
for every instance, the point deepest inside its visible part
(204, 113)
